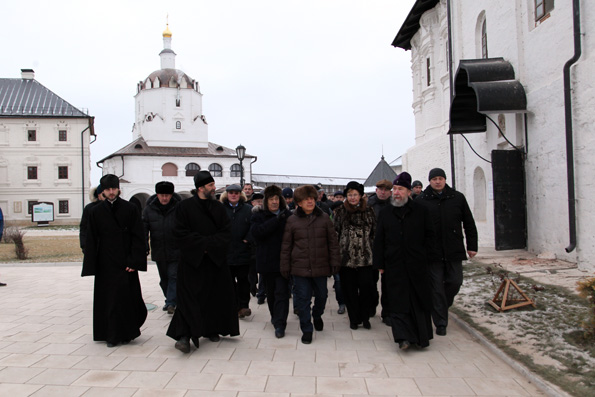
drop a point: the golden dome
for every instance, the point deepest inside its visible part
(167, 32)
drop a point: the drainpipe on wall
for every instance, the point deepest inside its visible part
(568, 118)
(451, 89)
(252, 162)
(92, 132)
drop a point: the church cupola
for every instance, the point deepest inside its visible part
(168, 56)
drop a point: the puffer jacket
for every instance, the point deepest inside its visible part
(160, 225)
(240, 251)
(310, 247)
(451, 214)
(355, 226)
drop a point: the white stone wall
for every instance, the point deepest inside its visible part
(141, 173)
(47, 153)
(538, 52)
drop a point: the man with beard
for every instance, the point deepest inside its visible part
(206, 304)
(449, 210)
(114, 252)
(404, 248)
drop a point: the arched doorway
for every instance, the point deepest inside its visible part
(140, 200)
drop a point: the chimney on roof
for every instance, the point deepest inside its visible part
(27, 74)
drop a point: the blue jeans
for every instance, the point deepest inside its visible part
(168, 274)
(304, 288)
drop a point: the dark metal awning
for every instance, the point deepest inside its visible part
(484, 86)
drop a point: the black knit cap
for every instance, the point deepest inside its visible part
(109, 181)
(287, 192)
(164, 187)
(417, 183)
(403, 179)
(98, 191)
(434, 172)
(202, 178)
(353, 185)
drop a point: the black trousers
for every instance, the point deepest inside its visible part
(446, 278)
(277, 293)
(239, 275)
(358, 292)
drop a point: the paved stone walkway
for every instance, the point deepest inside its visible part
(46, 349)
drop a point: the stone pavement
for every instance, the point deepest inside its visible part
(47, 349)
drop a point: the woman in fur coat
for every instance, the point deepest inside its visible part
(355, 224)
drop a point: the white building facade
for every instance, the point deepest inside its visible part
(533, 40)
(170, 137)
(44, 152)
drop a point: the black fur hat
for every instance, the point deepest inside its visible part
(164, 187)
(271, 191)
(353, 185)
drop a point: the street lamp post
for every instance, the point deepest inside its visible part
(241, 153)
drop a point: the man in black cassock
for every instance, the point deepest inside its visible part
(114, 252)
(206, 303)
(404, 248)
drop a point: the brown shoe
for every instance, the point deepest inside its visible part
(244, 312)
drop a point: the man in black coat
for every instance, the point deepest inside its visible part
(114, 252)
(377, 202)
(239, 254)
(449, 209)
(268, 224)
(404, 247)
(206, 304)
(158, 223)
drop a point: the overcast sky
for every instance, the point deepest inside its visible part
(311, 87)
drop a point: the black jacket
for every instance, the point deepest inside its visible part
(239, 252)
(377, 204)
(451, 214)
(158, 222)
(267, 232)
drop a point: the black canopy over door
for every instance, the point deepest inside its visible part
(510, 204)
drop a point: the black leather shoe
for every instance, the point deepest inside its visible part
(307, 338)
(279, 333)
(183, 344)
(260, 300)
(367, 324)
(353, 325)
(318, 324)
(441, 331)
(404, 345)
(112, 344)
(214, 338)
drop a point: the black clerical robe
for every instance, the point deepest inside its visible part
(115, 241)
(205, 293)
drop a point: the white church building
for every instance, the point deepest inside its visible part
(503, 99)
(170, 137)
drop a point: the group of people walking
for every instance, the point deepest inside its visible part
(205, 250)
